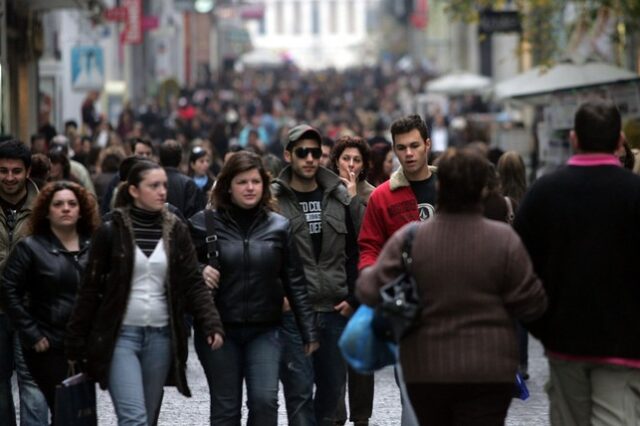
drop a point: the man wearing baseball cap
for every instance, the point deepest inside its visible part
(317, 204)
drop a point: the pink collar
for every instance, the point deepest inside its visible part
(590, 160)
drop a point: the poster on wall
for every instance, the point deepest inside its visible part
(87, 68)
(47, 101)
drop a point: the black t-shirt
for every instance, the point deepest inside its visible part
(425, 192)
(311, 205)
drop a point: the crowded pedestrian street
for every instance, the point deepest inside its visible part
(319, 213)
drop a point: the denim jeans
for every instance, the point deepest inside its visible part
(139, 369)
(250, 354)
(329, 371)
(296, 374)
(33, 406)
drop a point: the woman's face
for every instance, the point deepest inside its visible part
(246, 189)
(387, 166)
(350, 161)
(64, 209)
(200, 166)
(151, 192)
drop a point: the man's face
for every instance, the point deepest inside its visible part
(13, 177)
(326, 154)
(142, 150)
(412, 152)
(305, 158)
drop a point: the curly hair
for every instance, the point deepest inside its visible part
(89, 219)
(241, 162)
(345, 142)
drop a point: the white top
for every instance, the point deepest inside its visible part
(147, 305)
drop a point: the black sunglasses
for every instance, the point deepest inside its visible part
(304, 152)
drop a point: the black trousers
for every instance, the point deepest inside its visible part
(360, 391)
(461, 404)
(48, 369)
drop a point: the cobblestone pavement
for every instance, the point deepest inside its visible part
(178, 410)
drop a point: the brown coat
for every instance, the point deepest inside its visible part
(102, 300)
(475, 278)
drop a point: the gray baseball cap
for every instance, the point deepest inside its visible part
(296, 133)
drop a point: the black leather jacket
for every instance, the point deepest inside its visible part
(256, 271)
(40, 282)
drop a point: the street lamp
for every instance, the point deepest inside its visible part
(204, 6)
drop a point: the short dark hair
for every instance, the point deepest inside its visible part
(13, 149)
(134, 141)
(407, 124)
(462, 175)
(327, 141)
(345, 142)
(72, 123)
(597, 125)
(170, 153)
(240, 162)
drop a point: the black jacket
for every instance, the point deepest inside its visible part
(40, 283)
(183, 192)
(257, 271)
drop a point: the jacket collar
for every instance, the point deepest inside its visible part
(328, 181)
(55, 246)
(399, 180)
(122, 215)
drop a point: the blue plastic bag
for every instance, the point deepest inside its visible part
(361, 348)
(521, 391)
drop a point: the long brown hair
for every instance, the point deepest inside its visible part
(89, 219)
(241, 162)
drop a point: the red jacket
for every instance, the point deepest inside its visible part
(391, 206)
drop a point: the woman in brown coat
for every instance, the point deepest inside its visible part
(474, 277)
(128, 319)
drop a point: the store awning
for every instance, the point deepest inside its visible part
(561, 77)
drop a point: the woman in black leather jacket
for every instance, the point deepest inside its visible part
(46, 268)
(258, 266)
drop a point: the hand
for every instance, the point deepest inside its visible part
(286, 307)
(344, 308)
(350, 181)
(211, 277)
(42, 345)
(310, 348)
(215, 342)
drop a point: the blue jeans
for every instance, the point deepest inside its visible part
(139, 369)
(326, 368)
(34, 410)
(251, 354)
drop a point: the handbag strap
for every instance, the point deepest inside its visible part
(213, 255)
(408, 245)
(510, 213)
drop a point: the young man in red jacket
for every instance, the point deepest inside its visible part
(408, 195)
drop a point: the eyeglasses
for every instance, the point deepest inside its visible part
(302, 153)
